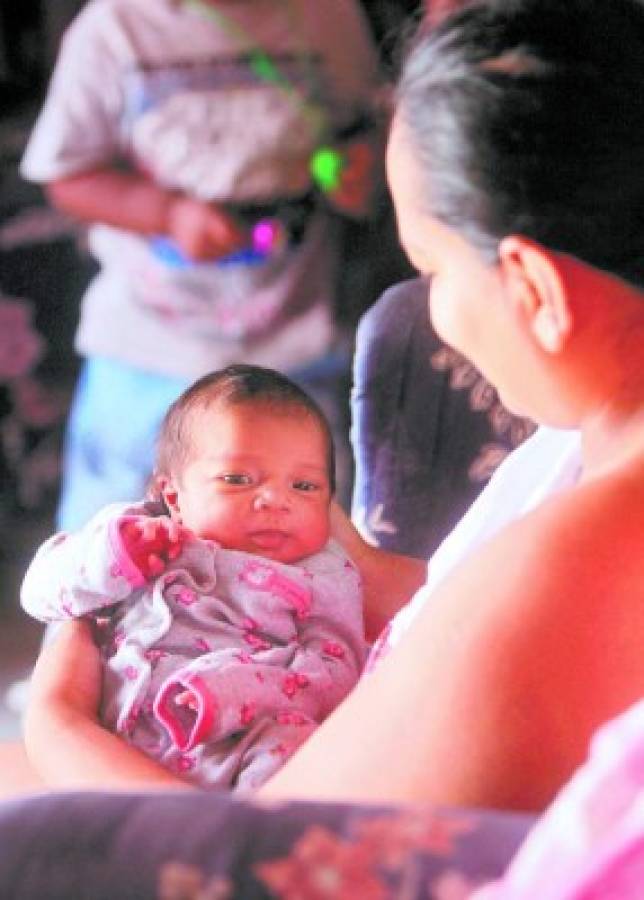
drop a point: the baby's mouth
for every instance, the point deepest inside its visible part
(269, 538)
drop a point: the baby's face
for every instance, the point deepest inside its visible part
(256, 480)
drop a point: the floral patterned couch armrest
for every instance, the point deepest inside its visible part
(213, 847)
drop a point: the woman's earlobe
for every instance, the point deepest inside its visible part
(547, 328)
(535, 284)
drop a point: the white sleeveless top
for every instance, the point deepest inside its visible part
(546, 463)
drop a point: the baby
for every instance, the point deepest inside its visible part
(230, 624)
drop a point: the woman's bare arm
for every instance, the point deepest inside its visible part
(18, 778)
(389, 579)
(65, 743)
(491, 698)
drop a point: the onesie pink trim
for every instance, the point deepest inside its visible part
(265, 578)
(172, 717)
(124, 563)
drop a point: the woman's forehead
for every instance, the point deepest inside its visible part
(406, 181)
(405, 175)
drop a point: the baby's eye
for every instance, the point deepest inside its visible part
(306, 486)
(235, 478)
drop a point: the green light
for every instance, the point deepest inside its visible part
(263, 66)
(326, 167)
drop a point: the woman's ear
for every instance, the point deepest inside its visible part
(535, 285)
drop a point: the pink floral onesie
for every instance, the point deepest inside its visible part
(266, 649)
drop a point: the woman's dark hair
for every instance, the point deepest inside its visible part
(528, 118)
(234, 385)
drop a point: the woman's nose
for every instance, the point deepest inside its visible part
(270, 496)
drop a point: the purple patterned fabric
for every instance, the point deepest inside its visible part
(427, 429)
(198, 846)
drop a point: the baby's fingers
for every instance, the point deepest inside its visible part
(150, 530)
(154, 564)
(174, 531)
(186, 698)
(131, 532)
(177, 535)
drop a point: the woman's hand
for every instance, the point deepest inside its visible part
(389, 580)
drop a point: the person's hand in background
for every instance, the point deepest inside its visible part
(202, 231)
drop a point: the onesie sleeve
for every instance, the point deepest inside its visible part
(78, 127)
(304, 684)
(74, 574)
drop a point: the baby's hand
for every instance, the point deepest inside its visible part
(153, 543)
(187, 698)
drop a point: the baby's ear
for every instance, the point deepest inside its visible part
(163, 490)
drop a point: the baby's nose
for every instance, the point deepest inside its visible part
(271, 496)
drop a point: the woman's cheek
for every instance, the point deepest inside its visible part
(441, 315)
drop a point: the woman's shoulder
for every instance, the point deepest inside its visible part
(567, 588)
(564, 585)
(594, 526)
(577, 555)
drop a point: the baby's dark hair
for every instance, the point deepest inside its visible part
(235, 385)
(528, 118)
